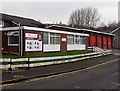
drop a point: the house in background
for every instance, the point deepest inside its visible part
(116, 31)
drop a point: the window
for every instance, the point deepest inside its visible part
(54, 38)
(13, 38)
(1, 23)
(46, 38)
(82, 40)
(70, 39)
(78, 38)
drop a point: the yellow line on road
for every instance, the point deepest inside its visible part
(75, 71)
(8, 84)
(65, 73)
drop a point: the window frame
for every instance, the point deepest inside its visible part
(9, 44)
(83, 38)
(2, 23)
(55, 36)
(70, 36)
(48, 38)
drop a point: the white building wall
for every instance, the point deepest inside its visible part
(76, 46)
(51, 47)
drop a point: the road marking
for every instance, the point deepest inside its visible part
(36, 79)
(75, 71)
(8, 84)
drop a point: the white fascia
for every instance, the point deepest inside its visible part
(53, 31)
(81, 29)
(42, 29)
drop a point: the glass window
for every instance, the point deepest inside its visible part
(13, 38)
(70, 39)
(82, 40)
(54, 38)
(45, 38)
(78, 39)
(1, 23)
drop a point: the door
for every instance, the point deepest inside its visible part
(63, 44)
(99, 41)
(92, 40)
(104, 42)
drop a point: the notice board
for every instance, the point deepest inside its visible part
(33, 42)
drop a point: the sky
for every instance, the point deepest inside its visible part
(59, 11)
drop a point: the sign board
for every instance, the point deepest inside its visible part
(63, 39)
(33, 42)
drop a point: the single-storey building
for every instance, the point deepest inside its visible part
(96, 38)
(24, 40)
(23, 36)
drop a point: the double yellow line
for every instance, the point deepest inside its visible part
(65, 73)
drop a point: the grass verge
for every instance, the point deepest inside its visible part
(53, 54)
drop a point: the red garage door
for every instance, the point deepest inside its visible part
(92, 40)
(99, 41)
(109, 42)
(104, 42)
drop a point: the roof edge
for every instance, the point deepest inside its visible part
(81, 29)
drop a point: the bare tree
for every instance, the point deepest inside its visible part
(85, 17)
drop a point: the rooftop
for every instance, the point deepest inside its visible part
(77, 29)
(23, 21)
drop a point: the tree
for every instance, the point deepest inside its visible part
(113, 24)
(84, 18)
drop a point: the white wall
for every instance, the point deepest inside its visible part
(76, 46)
(51, 47)
(56, 47)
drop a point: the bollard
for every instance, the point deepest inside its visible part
(10, 69)
(19, 64)
(28, 62)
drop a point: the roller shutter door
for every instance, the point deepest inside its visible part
(104, 42)
(99, 41)
(93, 40)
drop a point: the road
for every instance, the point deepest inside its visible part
(104, 76)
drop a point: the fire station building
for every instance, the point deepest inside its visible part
(23, 36)
(96, 38)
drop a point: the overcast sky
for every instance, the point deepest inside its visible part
(49, 12)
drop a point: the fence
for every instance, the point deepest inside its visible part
(42, 60)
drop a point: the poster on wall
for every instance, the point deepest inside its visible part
(33, 42)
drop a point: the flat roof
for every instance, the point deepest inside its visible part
(77, 29)
(41, 29)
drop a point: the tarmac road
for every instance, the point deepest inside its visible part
(103, 76)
